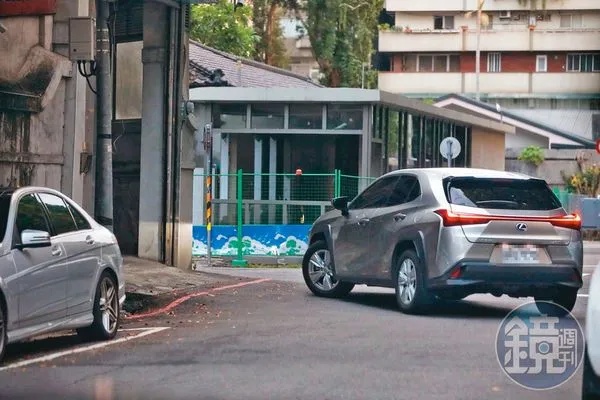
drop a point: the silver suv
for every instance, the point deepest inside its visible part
(446, 233)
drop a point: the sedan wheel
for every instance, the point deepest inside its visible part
(319, 274)
(407, 281)
(411, 289)
(106, 310)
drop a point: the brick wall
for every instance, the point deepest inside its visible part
(515, 62)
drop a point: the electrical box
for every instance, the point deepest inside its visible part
(82, 39)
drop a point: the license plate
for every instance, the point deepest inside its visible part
(520, 254)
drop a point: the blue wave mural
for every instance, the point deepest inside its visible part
(260, 240)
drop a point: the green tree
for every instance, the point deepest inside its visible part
(266, 18)
(224, 28)
(341, 34)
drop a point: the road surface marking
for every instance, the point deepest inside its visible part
(180, 300)
(582, 295)
(584, 275)
(52, 356)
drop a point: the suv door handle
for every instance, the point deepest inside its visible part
(399, 217)
(89, 240)
(57, 251)
(364, 221)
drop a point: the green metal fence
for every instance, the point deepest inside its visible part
(278, 198)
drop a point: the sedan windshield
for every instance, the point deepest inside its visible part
(4, 206)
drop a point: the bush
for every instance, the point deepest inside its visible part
(586, 182)
(533, 155)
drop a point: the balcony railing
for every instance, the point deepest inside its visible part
(521, 39)
(500, 82)
(467, 5)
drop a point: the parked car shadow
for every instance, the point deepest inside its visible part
(38, 347)
(467, 308)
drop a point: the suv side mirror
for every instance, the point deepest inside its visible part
(31, 238)
(341, 203)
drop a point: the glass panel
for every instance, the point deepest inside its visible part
(454, 63)
(375, 195)
(409, 63)
(449, 22)
(229, 116)
(576, 21)
(541, 64)
(565, 21)
(82, 223)
(129, 78)
(438, 22)
(267, 116)
(60, 216)
(428, 142)
(30, 215)
(587, 63)
(573, 62)
(440, 64)
(343, 116)
(596, 59)
(306, 116)
(415, 143)
(406, 189)
(510, 194)
(425, 63)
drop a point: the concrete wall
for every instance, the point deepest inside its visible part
(40, 144)
(487, 149)
(555, 163)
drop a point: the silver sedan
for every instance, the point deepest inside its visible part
(59, 269)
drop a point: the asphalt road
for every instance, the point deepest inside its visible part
(275, 340)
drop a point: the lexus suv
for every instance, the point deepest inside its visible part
(447, 233)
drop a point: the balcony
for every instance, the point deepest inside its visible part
(466, 5)
(566, 82)
(566, 39)
(491, 40)
(421, 82)
(509, 83)
(415, 41)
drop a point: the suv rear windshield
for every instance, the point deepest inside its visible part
(4, 206)
(507, 194)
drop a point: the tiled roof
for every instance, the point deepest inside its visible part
(204, 61)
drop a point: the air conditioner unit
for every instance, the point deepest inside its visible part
(505, 14)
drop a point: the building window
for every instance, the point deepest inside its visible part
(306, 116)
(344, 116)
(230, 116)
(267, 116)
(583, 62)
(443, 22)
(541, 63)
(438, 63)
(494, 62)
(571, 21)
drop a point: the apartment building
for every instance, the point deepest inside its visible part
(533, 59)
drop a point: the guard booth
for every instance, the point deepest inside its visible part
(340, 139)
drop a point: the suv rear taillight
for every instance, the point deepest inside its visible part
(450, 218)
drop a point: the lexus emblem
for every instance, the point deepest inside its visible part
(521, 227)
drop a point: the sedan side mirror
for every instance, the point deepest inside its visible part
(31, 238)
(341, 203)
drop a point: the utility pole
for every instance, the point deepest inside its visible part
(478, 50)
(104, 174)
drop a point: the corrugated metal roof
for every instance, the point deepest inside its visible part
(238, 71)
(575, 122)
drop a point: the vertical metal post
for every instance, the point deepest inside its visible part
(103, 209)
(239, 261)
(208, 179)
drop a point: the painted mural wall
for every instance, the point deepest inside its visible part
(259, 240)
